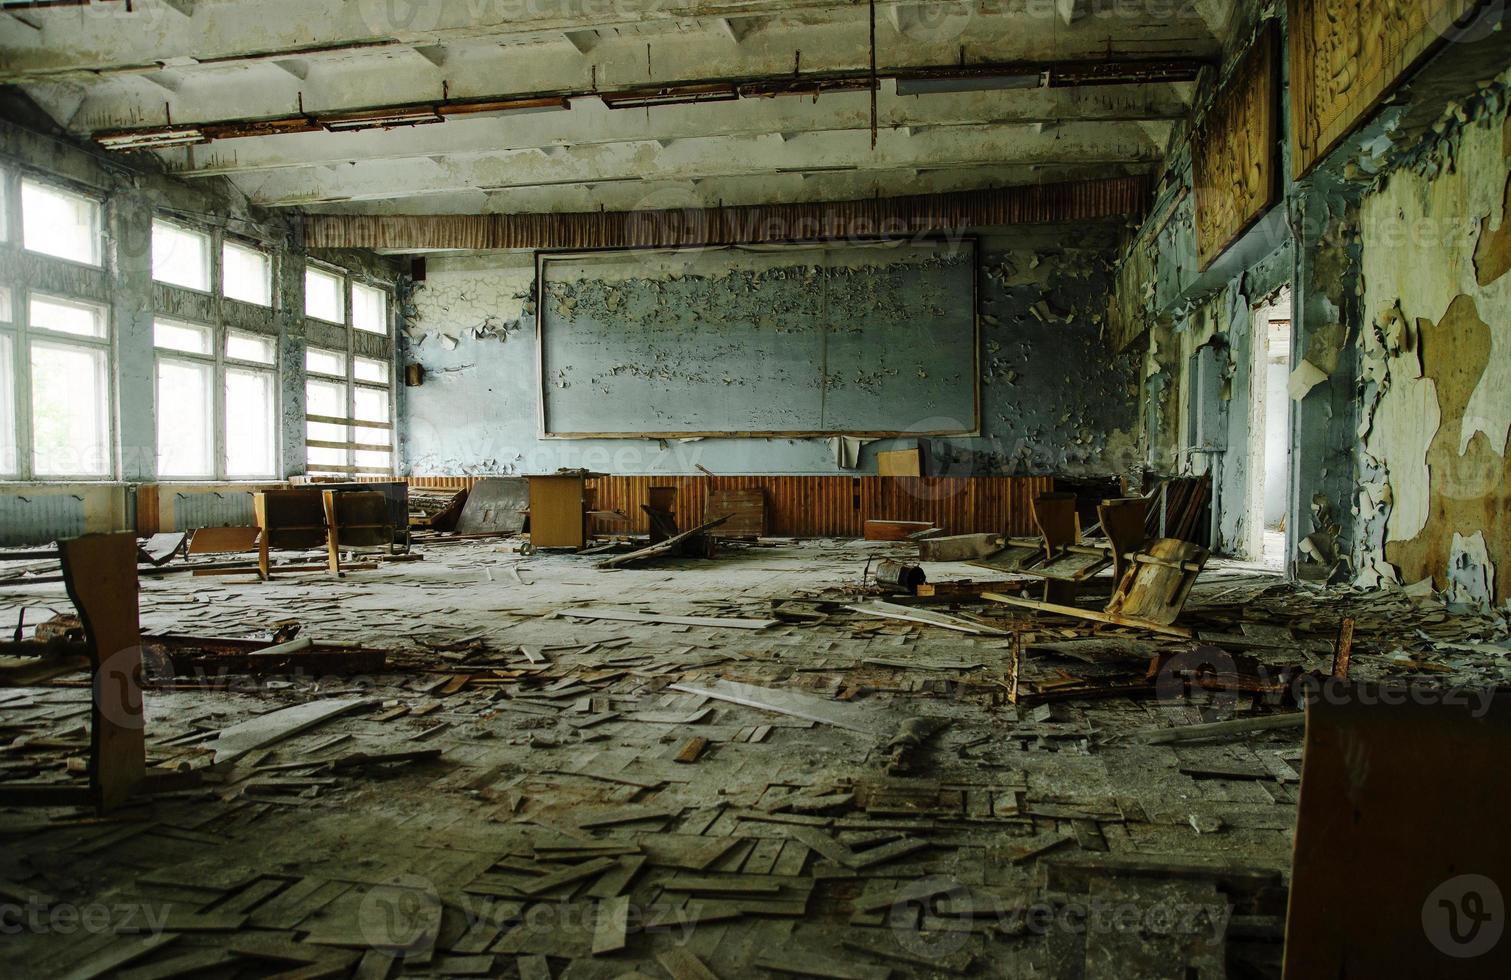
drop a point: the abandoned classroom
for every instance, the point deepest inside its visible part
(754, 489)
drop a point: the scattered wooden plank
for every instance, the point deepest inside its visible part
(276, 726)
(808, 964)
(691, 750)
(853, 718)
(634, 617)
(1221, 729)
(744, 885)
(630, 814)
(534, 967)
(894, 530)
(683, 965)
(187, 964)
(660, 548)
(566, 876)
(610, 931)
(889, 610)
(117, 954)
(1088, 614)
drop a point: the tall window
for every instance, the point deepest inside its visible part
(10, 455)
(60, 223)
(349, 394)
(55, 396)
(216, 402)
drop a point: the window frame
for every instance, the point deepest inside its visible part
(220, 362)
(23, 334)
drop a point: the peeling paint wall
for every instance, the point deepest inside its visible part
(1053, 401)
(1436, 363)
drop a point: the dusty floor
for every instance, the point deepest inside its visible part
(1033, 840)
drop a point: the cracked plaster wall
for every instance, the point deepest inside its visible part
(1435, 486)
(1052, 400)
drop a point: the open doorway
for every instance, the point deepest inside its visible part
(1269, 432)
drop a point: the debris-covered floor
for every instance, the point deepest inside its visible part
(523, 792)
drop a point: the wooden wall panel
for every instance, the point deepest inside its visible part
(1235, 153)
(1346, 55)
(822, 506)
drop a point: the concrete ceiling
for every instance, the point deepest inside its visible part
(512, 96)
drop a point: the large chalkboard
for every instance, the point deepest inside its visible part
(874, 339)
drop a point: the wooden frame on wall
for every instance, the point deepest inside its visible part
(1347, 55)
(1235, 163)
(545, 255)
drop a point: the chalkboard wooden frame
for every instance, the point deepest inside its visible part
(543, 256)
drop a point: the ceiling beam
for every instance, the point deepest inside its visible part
(1053, 75)
(703, 159)
(271, 29)
(733, 190)
(590, 123)
(326, 31)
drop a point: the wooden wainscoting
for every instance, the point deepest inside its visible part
(824, 506)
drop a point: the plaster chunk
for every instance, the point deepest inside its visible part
(1306, 377)
(1471, 573)
(1405, 426)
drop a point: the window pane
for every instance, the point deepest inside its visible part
(10, 460)
(247, 274)
(180, 256)
(191, 338)
(325, 398)
(368, 369)
(66, 316)
(383, 461)
(319, 361)
(368, 436)
(55, 222)
(371, 405)
(70, 396)
(250, 347)
(185, 419)
(373, 457)
(323, 295)
(5, 310)
(325, 457)
(369, 308)
(250, 442)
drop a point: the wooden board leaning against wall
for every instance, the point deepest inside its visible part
(1234, 162)
(1346, 55)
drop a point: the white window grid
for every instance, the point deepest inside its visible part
(353, 445)
(16, 326)
(220, 362)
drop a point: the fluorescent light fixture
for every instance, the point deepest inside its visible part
(151, 139)
(679, 95)
(967, 83)
(381, 120)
